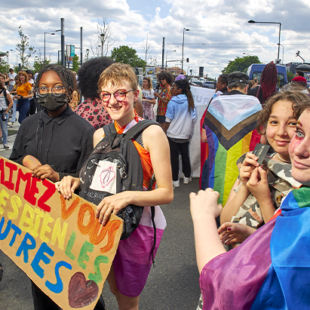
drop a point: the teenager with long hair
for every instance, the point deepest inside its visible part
(179, 126)
(148, 99)
(23, 94)
(268, 84)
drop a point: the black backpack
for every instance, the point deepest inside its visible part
(117, 165)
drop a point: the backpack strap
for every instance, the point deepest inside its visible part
(111, 134)
(138, 128)
(153, 218)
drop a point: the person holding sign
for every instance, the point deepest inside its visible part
(131, 266)
(54, 142)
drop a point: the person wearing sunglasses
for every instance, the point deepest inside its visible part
(164, 96)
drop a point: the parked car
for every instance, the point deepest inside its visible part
(209, 84)
(255, 71)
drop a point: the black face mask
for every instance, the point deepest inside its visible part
(52, 103)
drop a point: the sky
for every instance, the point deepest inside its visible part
(218, 29)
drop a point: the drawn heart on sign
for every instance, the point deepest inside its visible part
(82, 292)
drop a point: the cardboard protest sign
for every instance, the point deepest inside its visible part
(59, 243)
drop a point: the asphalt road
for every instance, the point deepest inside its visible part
(172, 283)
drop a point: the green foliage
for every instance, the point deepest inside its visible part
(290, 76)
(39, 64)
(241, 64)
(75, 63)
(23, 48)
(127, 55)
(4, 68)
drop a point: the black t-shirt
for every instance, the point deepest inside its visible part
(254, 91)
(63, 142)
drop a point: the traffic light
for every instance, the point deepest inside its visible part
(187, 59)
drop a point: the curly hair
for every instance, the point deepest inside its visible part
(64, 74)
(186, 89)
(165, 75)
(296, 98)
(269, 80)
(89, 75)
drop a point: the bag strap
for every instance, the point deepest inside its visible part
(139, 127)
(152, 181)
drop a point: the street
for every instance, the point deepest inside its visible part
(172, 284)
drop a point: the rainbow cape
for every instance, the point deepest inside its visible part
(271, 269)
(230, 127)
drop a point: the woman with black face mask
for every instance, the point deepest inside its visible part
(54, 142)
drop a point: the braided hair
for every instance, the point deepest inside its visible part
(269, 80)
(64, 74)
(184, 85)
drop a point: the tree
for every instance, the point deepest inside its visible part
(104, 39)
(39, 63)
(146, 45)
(241, 64)
(75, 63)
(3, 66)
(290, 76)
(23, 48)
(127, 55)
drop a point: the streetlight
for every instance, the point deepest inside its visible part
(52, 33)
(255, 22)
(282, 53)
(167, 56)
(102, 41)
(87, 54)
(184, 29)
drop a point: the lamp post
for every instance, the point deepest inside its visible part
(167, 56)
(102, 41)
(52, 33)
(255, 22)
(282, 53)
(87, 54)
(184, 29)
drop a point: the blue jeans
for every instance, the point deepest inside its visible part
(14, 111)
(23, 106)
(4, 128)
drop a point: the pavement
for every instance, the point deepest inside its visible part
(173, 284)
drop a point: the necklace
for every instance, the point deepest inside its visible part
(283, 160)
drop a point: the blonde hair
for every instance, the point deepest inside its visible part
(116, 74)
(25, 75)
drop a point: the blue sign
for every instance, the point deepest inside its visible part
(72, 50)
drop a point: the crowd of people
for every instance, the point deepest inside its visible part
(250, 216)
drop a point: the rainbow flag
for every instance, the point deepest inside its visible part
(230, 127)
(271, 269)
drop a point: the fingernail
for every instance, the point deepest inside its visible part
(229, 228)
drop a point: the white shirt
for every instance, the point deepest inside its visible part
(12, 78)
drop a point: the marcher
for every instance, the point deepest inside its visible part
(133, 260)
(249, 204)
(165, 79)
(148, 99)
(228, 136)
(92, 108)
(24, 93)
(270, 270)
(179, 126)
(13, 93)
(268, 84)
(12, 76)
(6, 102)
(57, 138)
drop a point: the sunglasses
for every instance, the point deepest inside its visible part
(119, 95)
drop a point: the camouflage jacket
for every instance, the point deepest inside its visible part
(280, 184)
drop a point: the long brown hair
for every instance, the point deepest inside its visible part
(149, 82)
(25, 75)
(184, 85)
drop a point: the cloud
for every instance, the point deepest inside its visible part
(219, 29)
